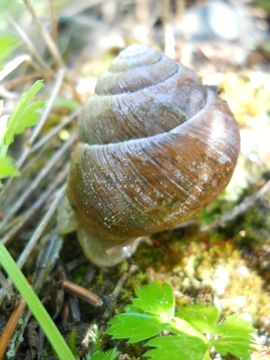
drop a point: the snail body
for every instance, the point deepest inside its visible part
(155, 147)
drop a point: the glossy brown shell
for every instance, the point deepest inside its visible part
(156, 147)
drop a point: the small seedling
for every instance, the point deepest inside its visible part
(107, 355)
(190, 333)
(25, 114)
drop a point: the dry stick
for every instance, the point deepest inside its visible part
(33, 209)
(115, 295)
(46, 262)
(41, 228)
(40, 177)
(46, 36)
(31, 47)
(180, 12)
(142, 11)
(169, 40)
(13, 64)
(14, 82)
(48, 107)
(12, 223)
(13, 191)
(78, 7)
(2, 278)
(9, 95)
(34, 238)
(54, 30)
(240, 209)
(53, 132)
(81, 292)
(11, 326)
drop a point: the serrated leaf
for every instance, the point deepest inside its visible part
(234, 326)
(24, 114)
(203, 318)
(108, 355)
(135, 327)
(156, 300)
(237, 346)
(178, 325)
(6, 167)
(235, 337)
(178, 347)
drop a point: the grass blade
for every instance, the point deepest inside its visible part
(36, 307)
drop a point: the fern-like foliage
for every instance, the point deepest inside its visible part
(190, 333)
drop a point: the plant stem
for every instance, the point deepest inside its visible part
(36, 307)
(179, 326)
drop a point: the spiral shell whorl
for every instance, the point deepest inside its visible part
(129, 178)
(146, 93)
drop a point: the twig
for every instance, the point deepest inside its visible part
(13, 64)
(14, 82)
(54, 32)
(34, 238)
(31, 46)
(114, 296)
(73, 303)
(41, 228)
(46, 36)
(169, 40)
(180, 12)
(12, 223)
(238, 210)
(11, 326)
(78, 7)
(40, 177)
(45, 264)
(53, 132)
(15, 186)
(48, 107)
(2, 278)
(5, 94)
(81, 292)
(33, 209)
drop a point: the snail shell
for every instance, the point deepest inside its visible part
(155, 147)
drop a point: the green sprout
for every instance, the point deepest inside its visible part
(188, 334)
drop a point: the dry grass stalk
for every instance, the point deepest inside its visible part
(10, 327)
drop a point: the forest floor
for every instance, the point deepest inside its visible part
(220, 257)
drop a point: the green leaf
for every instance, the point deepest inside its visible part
(156, 300)
(6, 167)
(203, 318)
(30, 116)
(235, 337)
(7, 43)
(178, 347)
(152, 312)
(24, 113)
(233, 325)
(108, 355)
(178, 325)
(35, 305)
(237, 346)
(135, 327)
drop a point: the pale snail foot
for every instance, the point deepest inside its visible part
(103, 252)
(99, 251)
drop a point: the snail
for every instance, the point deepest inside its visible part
(155, 147)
